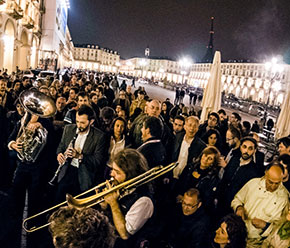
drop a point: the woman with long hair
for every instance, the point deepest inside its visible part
(118, 138)
(212, 138)
(232, 232)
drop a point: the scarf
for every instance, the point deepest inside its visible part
(284, 231)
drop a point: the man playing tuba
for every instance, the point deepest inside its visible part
(31, 139)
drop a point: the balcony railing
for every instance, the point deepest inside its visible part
(27, 22)
(14, 10)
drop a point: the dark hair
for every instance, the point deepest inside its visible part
(114, 122)
(209, 133)
(249, 138)
(285, 158)
(75, 89)
(86, 110)
(74, 228)
(247, 125)
(236, 230)
(101, 89)
(155, 126)
(216, 116)
(132, 162)
(92, 94)
(235, 132)
(285, 141)
(107, 113)
(83, 95)
(222, 111)
(192, 192)
(179, 117)
(237, 116)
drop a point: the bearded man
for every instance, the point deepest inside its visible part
(82, 152)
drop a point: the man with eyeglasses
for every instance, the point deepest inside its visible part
(188, 226)
(233, 137)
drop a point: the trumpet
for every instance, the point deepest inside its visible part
(124, 189)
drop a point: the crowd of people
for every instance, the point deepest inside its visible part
(221, 193)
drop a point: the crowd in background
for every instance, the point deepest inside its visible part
(222, 193)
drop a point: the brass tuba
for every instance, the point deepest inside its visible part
(34, 103)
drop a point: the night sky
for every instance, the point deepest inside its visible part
(244, 29)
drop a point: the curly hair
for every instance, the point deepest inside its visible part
(236, 230)
(85, 228)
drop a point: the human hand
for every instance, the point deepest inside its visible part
(33, 126)
(241, 212)
(179, 199)
(61, 158)
(111, 198)
(222, 163)
(17, 146)
(71, 153)
(258, 223)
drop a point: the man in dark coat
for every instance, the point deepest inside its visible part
(188, 227)
(187, 146)
(82, 151)
(238, 172)
(152, 148)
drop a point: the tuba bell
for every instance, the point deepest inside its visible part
(34, 103)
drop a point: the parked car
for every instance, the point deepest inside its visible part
(28, 74)
(256, 110)
(45, 75)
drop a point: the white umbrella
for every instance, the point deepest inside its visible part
(211, 100)
(283, 122)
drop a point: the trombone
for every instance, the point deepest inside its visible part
(124, 188)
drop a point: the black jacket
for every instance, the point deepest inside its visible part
(189, 231)
(91, 169)
(154, 152)
(235, 177)
(195, 149)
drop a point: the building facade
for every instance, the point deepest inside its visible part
(34, 33)
(88, 56)
(245, 80)
(20, 33)
(56, 47)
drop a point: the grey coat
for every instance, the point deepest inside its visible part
(95, 150)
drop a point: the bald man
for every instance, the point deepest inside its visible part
(261, 202)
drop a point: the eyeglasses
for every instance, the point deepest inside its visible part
(188, 205)
(229, 139)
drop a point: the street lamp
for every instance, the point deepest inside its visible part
(274, 73)
(142, 63)
(184, 64)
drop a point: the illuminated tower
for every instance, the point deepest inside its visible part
(210, 52)
(147, 52)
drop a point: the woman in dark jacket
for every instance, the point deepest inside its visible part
(203, 175)
(165, 109)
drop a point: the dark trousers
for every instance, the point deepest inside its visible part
(28, 178)
(69, 184)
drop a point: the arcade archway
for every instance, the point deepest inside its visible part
(8, 48)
